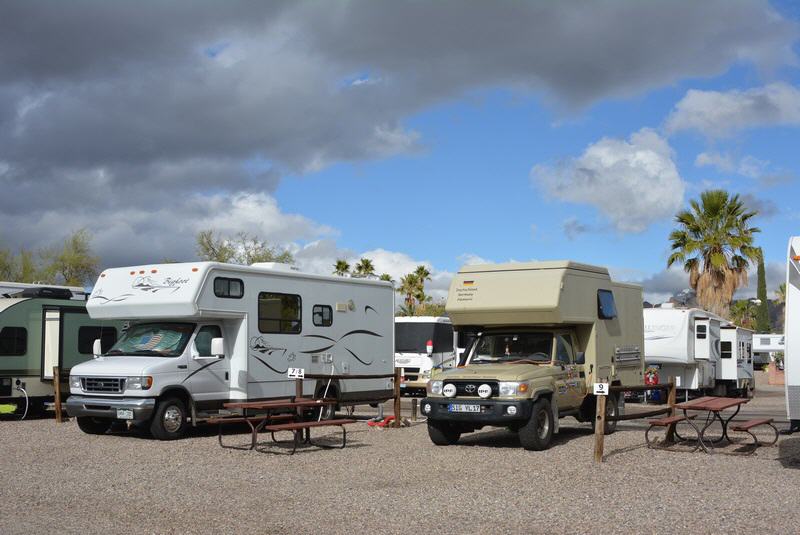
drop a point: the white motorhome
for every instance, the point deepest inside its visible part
(422, 343)
(791, 360)
(765, 346)
(206, 333)
(702, 351)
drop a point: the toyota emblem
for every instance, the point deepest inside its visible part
(470, 389)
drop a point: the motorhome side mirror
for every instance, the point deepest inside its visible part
(218, 347)
(97, 348)
(581, 358)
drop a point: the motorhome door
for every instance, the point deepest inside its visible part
(208, 377)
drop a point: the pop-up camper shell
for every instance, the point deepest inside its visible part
(268, 318)
(702, 351)
(42, 327)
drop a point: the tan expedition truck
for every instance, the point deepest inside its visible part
(544, 333)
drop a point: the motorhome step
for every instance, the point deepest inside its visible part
(306, 425)
(749, 424)
(669, 420)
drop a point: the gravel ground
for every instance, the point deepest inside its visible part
(388, 481)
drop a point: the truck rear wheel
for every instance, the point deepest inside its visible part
(537, 433)
(93, 426)
(443, 434)
(169, 420)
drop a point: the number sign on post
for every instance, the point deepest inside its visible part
(296, 373)
(601, 389)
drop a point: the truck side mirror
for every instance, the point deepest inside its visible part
(581, 358)
(97, 348)
(218, 347)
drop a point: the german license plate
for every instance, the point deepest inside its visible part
(457, 407)
(125, 414)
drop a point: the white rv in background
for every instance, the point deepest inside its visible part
(205, 333)
(704, 352)
(791, 359)
(421, 344)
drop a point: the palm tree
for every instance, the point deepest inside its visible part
(780, 294)
(341, 268)
(743, 313)
(408, 288)
(364, 268)
(386, 277)
(715, 244)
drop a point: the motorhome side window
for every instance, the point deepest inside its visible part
(727, 350)
(230, 288)
(89, 333)
(279, 313)
(322, 315)
(701, 332)
(202, 342)
(13, 341)
(606, 308)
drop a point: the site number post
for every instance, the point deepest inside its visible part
(601, 389)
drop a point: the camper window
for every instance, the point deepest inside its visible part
(279, 313)
(13, 341)
(229, 288)
(727, 350)
(322, 315)
(701, 332)
(564, 350)
(89, 333)
(606, 308)
(202, 341)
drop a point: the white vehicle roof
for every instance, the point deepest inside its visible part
(422, 319)
(12, 287)
(172, 290)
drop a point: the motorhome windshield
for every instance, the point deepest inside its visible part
(413, 337)
(154, 339)
(512, 347)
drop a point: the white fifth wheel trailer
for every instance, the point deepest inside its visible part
(205, 333)
(791, 360)
(704, 352)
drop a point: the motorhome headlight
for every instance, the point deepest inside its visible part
(512, 388)
(143, 382)
(74, 381)
(436, 387)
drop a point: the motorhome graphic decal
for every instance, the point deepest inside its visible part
(201, 368)
(104, 300)
(334, 343)
(153, 285)
(260, 345)
(370, 308)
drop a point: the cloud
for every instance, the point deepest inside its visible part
(723, 113)
(775, 273)
(660, 286)
(573, 228)
(766, 208)
(633, 183)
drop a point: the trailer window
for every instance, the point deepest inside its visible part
(322, 315)
(727, 350)
(606, 308)
(228, 288)
(279, 313)
(89, 333)
(701, 332)
(13, 341)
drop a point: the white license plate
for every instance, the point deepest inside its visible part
(125, 414)
(456, 407)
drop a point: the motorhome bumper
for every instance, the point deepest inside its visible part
(491, 412)
(107, 408)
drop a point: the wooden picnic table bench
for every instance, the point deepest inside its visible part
(298, 428)
(745, 427)
(668, 421)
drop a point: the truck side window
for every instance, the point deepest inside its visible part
(606, 308)
(564, 353)
(202, 342)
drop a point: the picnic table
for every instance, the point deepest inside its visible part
(280, 415)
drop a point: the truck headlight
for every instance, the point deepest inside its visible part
(513, 389)
(139, 383)
(74, 381)
(435, 387)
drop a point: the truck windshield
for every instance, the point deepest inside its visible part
(511, 347)
(154, 339)
(412, 337)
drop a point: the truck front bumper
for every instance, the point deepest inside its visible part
(491, 412)
(107, 408)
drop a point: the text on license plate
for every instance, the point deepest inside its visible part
(125, 414)
(457, 407)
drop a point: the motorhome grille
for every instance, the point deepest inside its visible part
(470, 388)
(103, 384)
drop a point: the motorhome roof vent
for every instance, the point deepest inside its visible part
(45, 291)
(276, 266)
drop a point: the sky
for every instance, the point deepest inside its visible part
(438, 133)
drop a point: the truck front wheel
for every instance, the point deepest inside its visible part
(169, 420)
(442, 434)
(93, 426)
(537, 433)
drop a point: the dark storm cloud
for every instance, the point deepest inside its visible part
(136, 107)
